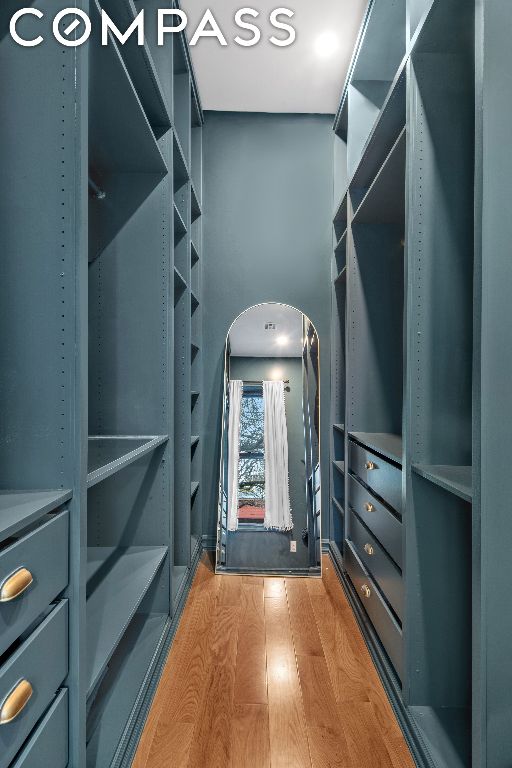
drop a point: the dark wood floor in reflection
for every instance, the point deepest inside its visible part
(270, 673)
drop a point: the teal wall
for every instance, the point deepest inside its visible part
(267, 237)
(271, 549)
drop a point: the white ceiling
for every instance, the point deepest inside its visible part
(267, 78)
(248, 337)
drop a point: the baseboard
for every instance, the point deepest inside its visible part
(184, 589)
(295, 573)
(336, 555)
(384, 669)
(129, 742)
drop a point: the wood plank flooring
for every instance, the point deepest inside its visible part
(270, 673)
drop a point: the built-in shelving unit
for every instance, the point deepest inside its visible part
(338, 346)
(128, 563)
(128, 571)
(43, 434)
(101, 390)
(403, 351)
(441, 344)
(187, 158)
(142, 522)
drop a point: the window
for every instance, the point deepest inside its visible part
(251, 468)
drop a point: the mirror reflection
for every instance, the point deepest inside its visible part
(269, 484)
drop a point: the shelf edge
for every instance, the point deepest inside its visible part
(102, 473)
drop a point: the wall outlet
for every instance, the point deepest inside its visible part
(293, 546)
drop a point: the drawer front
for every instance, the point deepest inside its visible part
(378, 564)
(42, 660)
(385, 625)
(48, 745)
(384, 478)
(44, 553)
(377, 517)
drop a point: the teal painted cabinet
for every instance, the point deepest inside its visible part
(101, 381)
(420, 416)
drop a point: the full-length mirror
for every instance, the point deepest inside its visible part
(269, 480)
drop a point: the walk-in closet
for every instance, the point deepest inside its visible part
(254, 374)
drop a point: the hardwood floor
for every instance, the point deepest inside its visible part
(270, 673)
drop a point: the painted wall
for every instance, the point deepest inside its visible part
(271, 549)
(267, 237)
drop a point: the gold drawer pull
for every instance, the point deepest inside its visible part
(15, 702)
(15, 584)
(369, 507)
(368, 549)
(370, 465)
(365, 589)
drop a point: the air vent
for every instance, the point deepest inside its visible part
(270, 327)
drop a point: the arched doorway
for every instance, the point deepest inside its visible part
(269, 479)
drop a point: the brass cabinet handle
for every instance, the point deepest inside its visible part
(369, 507)
(15, 584)
(368, 549)
(365, 589)
(15, 702)
(370, 465)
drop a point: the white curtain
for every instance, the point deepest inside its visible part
(278, 514)
(235, 407)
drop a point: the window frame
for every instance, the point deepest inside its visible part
(252, 391)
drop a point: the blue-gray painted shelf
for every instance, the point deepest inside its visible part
(457, 480)
(110, 454)
(117, 581)
(19, 509)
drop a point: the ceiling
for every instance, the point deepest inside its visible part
(248, 337)
(306, 76)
